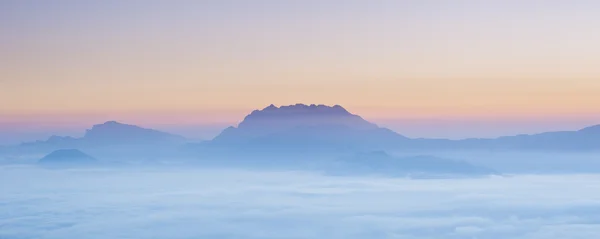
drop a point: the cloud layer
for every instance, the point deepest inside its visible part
(200, 203)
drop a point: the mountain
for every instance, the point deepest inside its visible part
(67, 157)
(112, 138)
(381, 163)
(294, 131)
(306, 126)
(581, 140)
(319, 127)
(113, 132)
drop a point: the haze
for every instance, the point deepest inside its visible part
(462, 119)
(511, 66)
(196, 203)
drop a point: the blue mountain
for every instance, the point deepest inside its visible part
(584, 139)
(111, 137)
(306, 126)
(302, 127)
(67, 157)
(113, 132)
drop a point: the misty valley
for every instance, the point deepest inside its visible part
(232, 203)
(308, 119)
(300, 171)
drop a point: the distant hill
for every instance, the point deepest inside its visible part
(381, 163)
(585, 139)
(110, 133)
(67, 157)
(113, 132)
(111, 139)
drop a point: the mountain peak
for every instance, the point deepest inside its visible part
(113, 131)
(271, 107)
(112, 123)
(56, 138)
(109, 127)
(294, 119)
(302, 114)
(303, 109)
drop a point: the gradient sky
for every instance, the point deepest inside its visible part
(425, 68)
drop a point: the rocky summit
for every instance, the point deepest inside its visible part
(303, 125)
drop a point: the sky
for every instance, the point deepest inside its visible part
(424, 68)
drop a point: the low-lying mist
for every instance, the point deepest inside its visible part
(233, 203)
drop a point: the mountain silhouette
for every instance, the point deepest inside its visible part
(67, 157)
(305, 126)
(109, 134)
(584, 139)
(113, 132)
(304, 129)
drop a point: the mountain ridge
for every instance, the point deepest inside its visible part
(301, 125)
(110, 133)
(113, 130)
(277, 127)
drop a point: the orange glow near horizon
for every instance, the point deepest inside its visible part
(406, 60)
(391, 100)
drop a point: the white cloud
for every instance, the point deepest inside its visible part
(201, 203)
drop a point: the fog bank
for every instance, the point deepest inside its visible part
(226, 203)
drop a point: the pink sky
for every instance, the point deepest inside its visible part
(509, 66)
(205, 125)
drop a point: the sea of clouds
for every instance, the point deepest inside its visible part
(227, 203)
